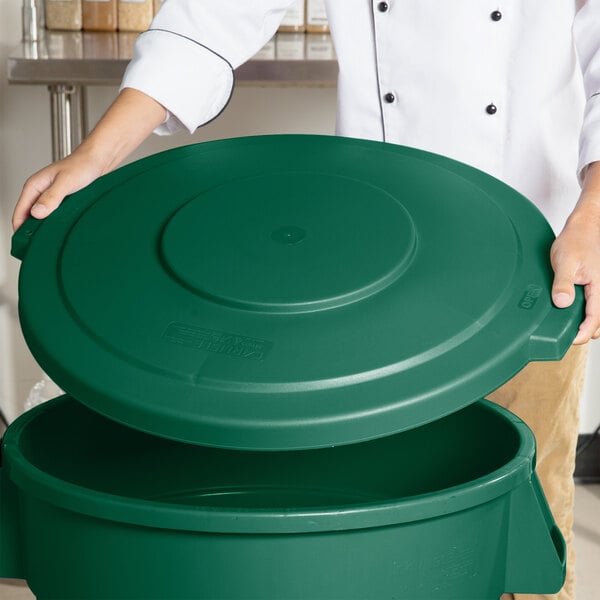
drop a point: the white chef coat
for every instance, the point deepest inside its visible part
(422, 73)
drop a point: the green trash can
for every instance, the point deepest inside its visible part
(274, 370)
(106, 512)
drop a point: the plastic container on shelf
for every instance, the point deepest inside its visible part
(135, 15)
(99, 15)
(64, 14)
(316, 17)
(294, 20)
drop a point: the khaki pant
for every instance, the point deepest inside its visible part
(546, 396)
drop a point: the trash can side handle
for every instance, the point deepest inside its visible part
(536, 550)
(559, 542)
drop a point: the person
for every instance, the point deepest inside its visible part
(507, 89)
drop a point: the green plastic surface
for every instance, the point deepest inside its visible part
(93, 510)
(289, 291)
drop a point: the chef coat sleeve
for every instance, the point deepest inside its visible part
(586, 32)
(186, 59)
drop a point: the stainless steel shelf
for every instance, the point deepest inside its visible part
(67, 62)
(90, 58)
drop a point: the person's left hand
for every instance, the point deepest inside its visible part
(575, 257)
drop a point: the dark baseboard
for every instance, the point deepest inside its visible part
(587, 464)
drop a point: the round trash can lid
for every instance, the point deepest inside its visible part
(289, 291)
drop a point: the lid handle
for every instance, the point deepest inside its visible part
(22, 237)
(556, 333)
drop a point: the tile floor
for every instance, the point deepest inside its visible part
(587, 546)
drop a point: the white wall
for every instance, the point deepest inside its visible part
(25, 147)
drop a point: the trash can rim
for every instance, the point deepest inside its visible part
(48, 488)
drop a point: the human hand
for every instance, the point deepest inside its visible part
(45, 190)
(575, 257)
(125, 125)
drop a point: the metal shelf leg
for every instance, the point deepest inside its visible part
(68, 118)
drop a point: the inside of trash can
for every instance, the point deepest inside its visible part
(76, 445)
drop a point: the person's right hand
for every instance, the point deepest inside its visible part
(125, 125)
(44, 191)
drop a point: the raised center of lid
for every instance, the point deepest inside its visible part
(290, 242)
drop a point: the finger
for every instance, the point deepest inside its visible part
(563, 288)
(590, 326)
(19, 216)
(32, 190)
(565, 269)
(52, 197)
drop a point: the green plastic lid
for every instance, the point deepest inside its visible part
(288, 292)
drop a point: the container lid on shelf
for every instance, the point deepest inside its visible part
(286, 292)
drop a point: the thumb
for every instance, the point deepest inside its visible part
(51, 199)
(563, 287)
